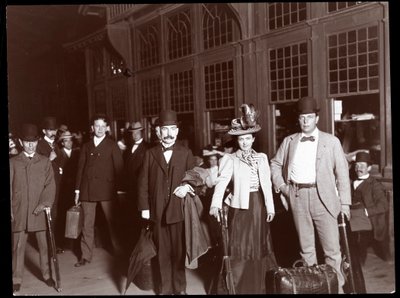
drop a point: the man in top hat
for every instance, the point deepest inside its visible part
(69, 157)
(32, 188)
(48, 147)
(311, 171)
(160, 200)
(99, 170)
(133, 161)
(370, 206)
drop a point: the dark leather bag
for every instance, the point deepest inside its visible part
(316, 279)
(74, 222)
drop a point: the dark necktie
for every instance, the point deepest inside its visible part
(164, 149)
(304, 139)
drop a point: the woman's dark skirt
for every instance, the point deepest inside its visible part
(250, 246)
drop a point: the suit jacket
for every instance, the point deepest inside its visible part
(69, 167)
(332, 173)
(232, 166)
(31, 183)
(99, 169)
(372, 194)
(44, 148)
(133, 165)
(158, 181)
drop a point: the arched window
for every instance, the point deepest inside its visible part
(220, 26)
(149, 46)
(179, 35)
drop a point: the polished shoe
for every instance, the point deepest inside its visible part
(59, 250)
(49, 282)
(16, 287)
(82, 262)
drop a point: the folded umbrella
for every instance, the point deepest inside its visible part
(144, 251)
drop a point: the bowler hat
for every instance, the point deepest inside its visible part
(29, 132)
(363, 157)
(307, 105)
(135, 126)
(50, 123)
(167, 117)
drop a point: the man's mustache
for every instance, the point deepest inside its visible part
(168, 137)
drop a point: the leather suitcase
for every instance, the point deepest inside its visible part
(73, 223)
(317, 279)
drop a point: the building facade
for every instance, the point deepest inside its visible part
(205, 60)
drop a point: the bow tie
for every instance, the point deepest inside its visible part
(304, 139)
(164, 149)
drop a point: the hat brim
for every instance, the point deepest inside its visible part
(239, 132)
(308, 111)
(133, 129)
(30, 139)
(166, 123)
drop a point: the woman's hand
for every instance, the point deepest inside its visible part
(214, 212)
(270, 217)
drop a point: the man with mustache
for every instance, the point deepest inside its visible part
(48, 147)
(160, 200)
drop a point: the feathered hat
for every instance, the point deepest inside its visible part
(247, 123)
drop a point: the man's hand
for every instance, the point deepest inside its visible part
(346, 211)
(181, 191)
(270, 217)
(214, 212)
(52, 156)
(146, 214)
(39, 209)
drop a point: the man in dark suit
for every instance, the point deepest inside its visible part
(369, 204)
(48, 147)
(160, 200)
(32, 188)
(69, 158)
(99, 168)
(133, 160)
(311, 170)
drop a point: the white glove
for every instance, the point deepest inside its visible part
(146, 214)
(181, 191)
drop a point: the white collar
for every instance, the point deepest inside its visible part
(314, 133)
(98, 140)
(363, 177)
(29, 155)
(139, 142)
(67, 150)
(167, 145)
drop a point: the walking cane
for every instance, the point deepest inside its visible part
(346, 262)
(226, 260)
(53, 252)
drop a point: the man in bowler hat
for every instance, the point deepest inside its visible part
(311, 171)
(48, 147)
(161, 200)
(32, 188)
(369, 202)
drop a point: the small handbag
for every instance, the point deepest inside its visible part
(359, 221)
(74, 222)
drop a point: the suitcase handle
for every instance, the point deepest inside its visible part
(296, 263)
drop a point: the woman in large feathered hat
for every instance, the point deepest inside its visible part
(251, 206)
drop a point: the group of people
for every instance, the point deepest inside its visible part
(309, 171)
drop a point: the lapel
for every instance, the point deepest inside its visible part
(159, 157)
(292, 149)
(364, 184)
(322, 144)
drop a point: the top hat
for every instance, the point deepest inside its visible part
(50, 123)
(167, 117)
(66, 135)
(135, 126)
(247, 123)
(307, 105)
(363, 157)
(29, 132)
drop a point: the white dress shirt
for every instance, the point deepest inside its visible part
(29, 155)
(97, 140)
(167, 154)
(134, 147)
(304, 159)
(68, 151)
(360, 180)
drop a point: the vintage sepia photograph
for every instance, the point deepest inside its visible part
(199, 148)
